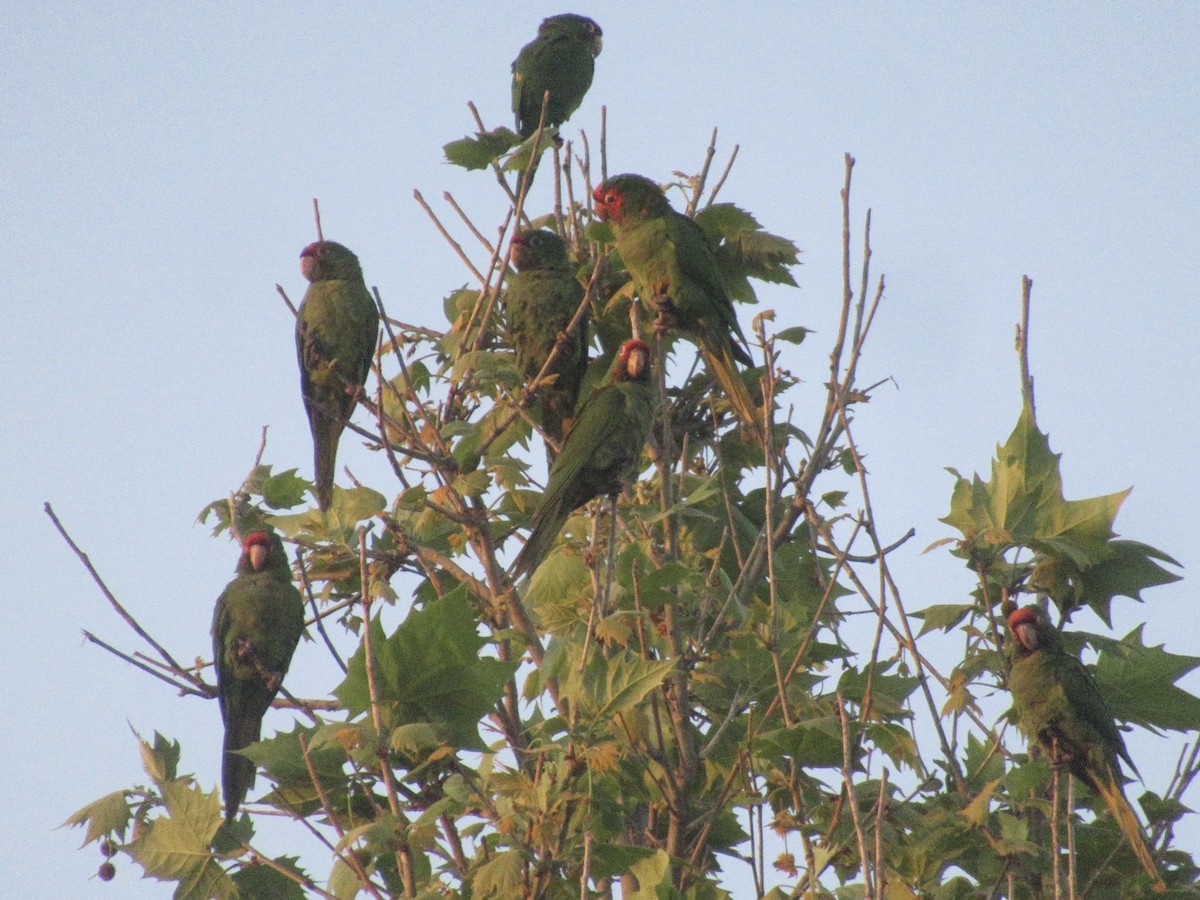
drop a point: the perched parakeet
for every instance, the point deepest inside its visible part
(1059, 706)
(541, 301)
(561, 60)
(673, 264)
(257, 623)
(336, 329)
(600, 452)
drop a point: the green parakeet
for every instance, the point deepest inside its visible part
(600, 453)
(1058, 706)
(541, 301)
(336, 329)
(561, 60)
(257, 623)
(673, 264)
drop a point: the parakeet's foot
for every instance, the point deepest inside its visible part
(665, 319)
(242, 651)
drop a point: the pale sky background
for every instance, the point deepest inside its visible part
(158, 165)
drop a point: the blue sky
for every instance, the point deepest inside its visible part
(159, 164)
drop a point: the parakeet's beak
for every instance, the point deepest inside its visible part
(258, 556)
(1026, 636)
(517, 252)
(637, 363)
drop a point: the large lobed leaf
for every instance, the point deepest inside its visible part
(429, 670)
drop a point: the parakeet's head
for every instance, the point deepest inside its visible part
(575, 27)
(1030, 628)
(633, 362)
(537, 248)
(327, 261)
(627, 198)
(261, 550)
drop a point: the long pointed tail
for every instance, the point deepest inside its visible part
(547, 523)
(1127, 820)
(327, 432)
(724, 369)
(237, 772)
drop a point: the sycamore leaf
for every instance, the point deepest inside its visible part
(108, 815)
(1138, 684)
(429, 670)
(1127, 571)
(942, 616)
(285, 490)
(609, 685)
(1024, 498)
(609, 860)
(794, 335)
(160, 760)
(976, 812)
(282, 758)
(653, 878)
(482, 150)
(177, 847)
(815, 743)
(744, 250)
(501, 876)
(262, 882)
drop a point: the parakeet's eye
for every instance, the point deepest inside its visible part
(612, 197)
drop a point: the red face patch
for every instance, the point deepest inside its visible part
(608, 204)
(1026, 615)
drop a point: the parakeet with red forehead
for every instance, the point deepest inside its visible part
(256, 625)
(600, 453)
(541, 300)
(561, 60)
(1058, 706)
(336, 328)
(673, 264)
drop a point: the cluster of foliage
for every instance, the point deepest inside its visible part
(672, 699)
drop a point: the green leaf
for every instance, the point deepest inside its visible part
(943, 616)
(176, 847)
(976, 812)
(1138, 684)
(744, 250)
(353, 505)
(1159, 809)
(817, 743)
(429, 670)
(108, 815)
(285, 490)
(794, 335)
(160, 760)
(611, 685)
(653, 877)
(501, 876)
(482, 150)
(1023, 503)
(282, 757)
(609, 860)
(1129, 569)
(257, 881)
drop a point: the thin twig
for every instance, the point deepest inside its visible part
(1023, 346)
(121, 611)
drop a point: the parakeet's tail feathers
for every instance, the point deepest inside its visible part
(327, 432)
(1114, 798)
(237, 777)
(237, 772)
(540, 540)
(740, 351)
(725, 371)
